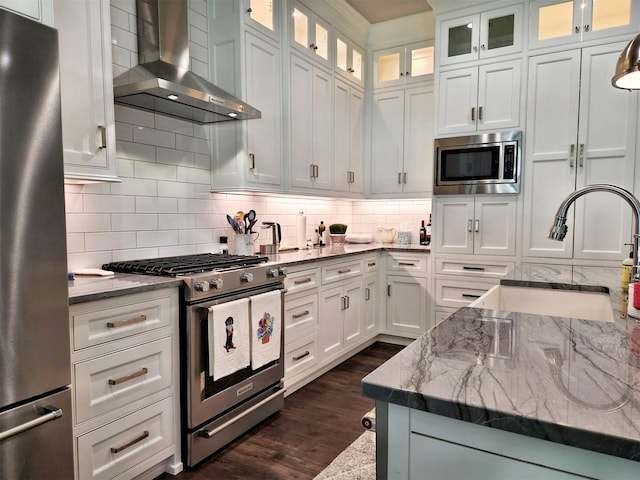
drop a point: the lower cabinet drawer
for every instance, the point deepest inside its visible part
(300, 317)
(114, 448)
(301, 356)
(474, 268)
(457, 293)
(111, 381)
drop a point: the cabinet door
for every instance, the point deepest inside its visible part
(349, 59)
(553, 93)
(387, 138)
(418, 140)
(86, 89)
(264, 135)
(388, 67)
(496, 226)
(353, 315)
(459, 38)
(454, 225)
(457, 98)
(606, 148)
(371, 305)
(38, 10)
(356, 140)
(263, 15)
(419, 62)
(498, 96)
(330, 335)
(309, 33)
(321, 131)
(301, 125)
(347, 138)
(501, 31)
(407, 304)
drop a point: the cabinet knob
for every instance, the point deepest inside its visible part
(314, 46)
(577, 29)
(475, 48)
(249, 10)
(586, 28)
(408, 74)
(402, 74)
(483, 47)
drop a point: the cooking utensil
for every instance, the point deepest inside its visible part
(234, 224)
(250, 220)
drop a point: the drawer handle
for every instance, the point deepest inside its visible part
(475, 269)
(470, 295)
(407, 264)
(300, 315)
(131, 443)
(344, 270)
(367, 294)
(126, 378)
(304, 280)
(48, 413)
(300, 357)
(123, 323)
(372, 264)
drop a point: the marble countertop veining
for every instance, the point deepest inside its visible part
(85, 289)
(565, 380)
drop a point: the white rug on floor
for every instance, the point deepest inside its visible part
(357, 462)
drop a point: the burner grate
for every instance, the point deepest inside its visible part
(184, 264)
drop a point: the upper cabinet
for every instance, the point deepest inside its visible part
(86, 84)
(348, 139)
(557, 22)
(309, 33)
(402, 65)
(483, 35)
(349, 59)
(262, 15)
(38, 10)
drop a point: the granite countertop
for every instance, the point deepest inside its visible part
(570, 381)
(86, 289)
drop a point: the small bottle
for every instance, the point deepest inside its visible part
(321, 234)
(627, 269)
(428, 233)
(224, 245)
(423, 234)
(316, 238)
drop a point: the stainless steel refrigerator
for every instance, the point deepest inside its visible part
(35, 400)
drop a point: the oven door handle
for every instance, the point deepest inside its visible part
(210, 433)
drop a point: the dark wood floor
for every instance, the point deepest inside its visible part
(318, 422)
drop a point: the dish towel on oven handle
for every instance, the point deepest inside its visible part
(229, 347)
(266, 328)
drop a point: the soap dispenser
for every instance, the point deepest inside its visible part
(627, 272)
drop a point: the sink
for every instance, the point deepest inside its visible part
(587, 305)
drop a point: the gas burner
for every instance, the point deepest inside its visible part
(185, 264)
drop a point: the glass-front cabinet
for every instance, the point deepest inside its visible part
(402, 65)
(483, 35)
(349, 59)
(309, 33)
(263, 15)
(556, 22)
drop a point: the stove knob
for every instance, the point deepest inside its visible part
(273, 272)
(283, 270)
(247, 277)
(201, 286)
(216, 283)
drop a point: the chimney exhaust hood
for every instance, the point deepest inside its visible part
(162, 81)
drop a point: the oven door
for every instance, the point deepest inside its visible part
(213, 392)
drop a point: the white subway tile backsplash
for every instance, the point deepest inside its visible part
(88, 259)
(151, 136)
(88, 222)
(135, 186)
(195, 236)
(174, 125)
(197, 37)
(134, 221)
(128, 6)
(109, 241)
(119, 17)
(124, 131)
(202, 161)
(134, 116)
(198, 17)
(174, 221)
(158, 238)
(199, 67)
(135, 151)
(109, 203)
(134, 254)
(72, 201)
(156, 205)
(121, 56)
(194, 205)
(75, 243)
(192, 144)
(172, 156)
(176, 189)
(173, 250)
(198, 52)
(124, 38)
(198, 6)
(124, 167)
(155, 171)
(194, 175)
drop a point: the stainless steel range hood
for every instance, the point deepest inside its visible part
(162, 81)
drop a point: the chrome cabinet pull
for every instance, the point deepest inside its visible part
(404, 176)
(572, 155)
(126, 378)
(480, 108)
(473, 114)
(348, 300)
(344, 270)
(372, 264)
(311, 170)
(388, 290)
(407, 264)
(49, 413)
(300, 315)
(477, 225)
(300, 357)
(367, 293)
(301, 281)
(399, 178)
(475, 269)
(123, 323)
(469, 227)
(343, 303)
(252, 161)
(103, 136)
(581, 155)
(144, 435)
(470, 295)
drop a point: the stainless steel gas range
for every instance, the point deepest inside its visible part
(231, 344)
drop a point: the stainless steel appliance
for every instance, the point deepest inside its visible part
(483, 163)
(35, 401)
(215, 412)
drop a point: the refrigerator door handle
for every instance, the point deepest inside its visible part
(50, 413)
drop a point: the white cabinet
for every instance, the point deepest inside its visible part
(125, 378)
(310, 125)
(402, 141)
(558, 22)
(349, 59)
(403, 65)
(309, 33)
(407, 294)
(590, 140)
(38, 10)
(245, 58)
(482, 35)
(86, 84)
(371, 295)
(475, 225)
(348, 135)
(484, 98)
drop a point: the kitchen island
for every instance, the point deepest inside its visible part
(496, 394)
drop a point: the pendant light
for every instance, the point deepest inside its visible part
(627, 74)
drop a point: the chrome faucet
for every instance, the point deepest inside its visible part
(559, 228)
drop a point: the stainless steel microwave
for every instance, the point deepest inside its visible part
(485, 163)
